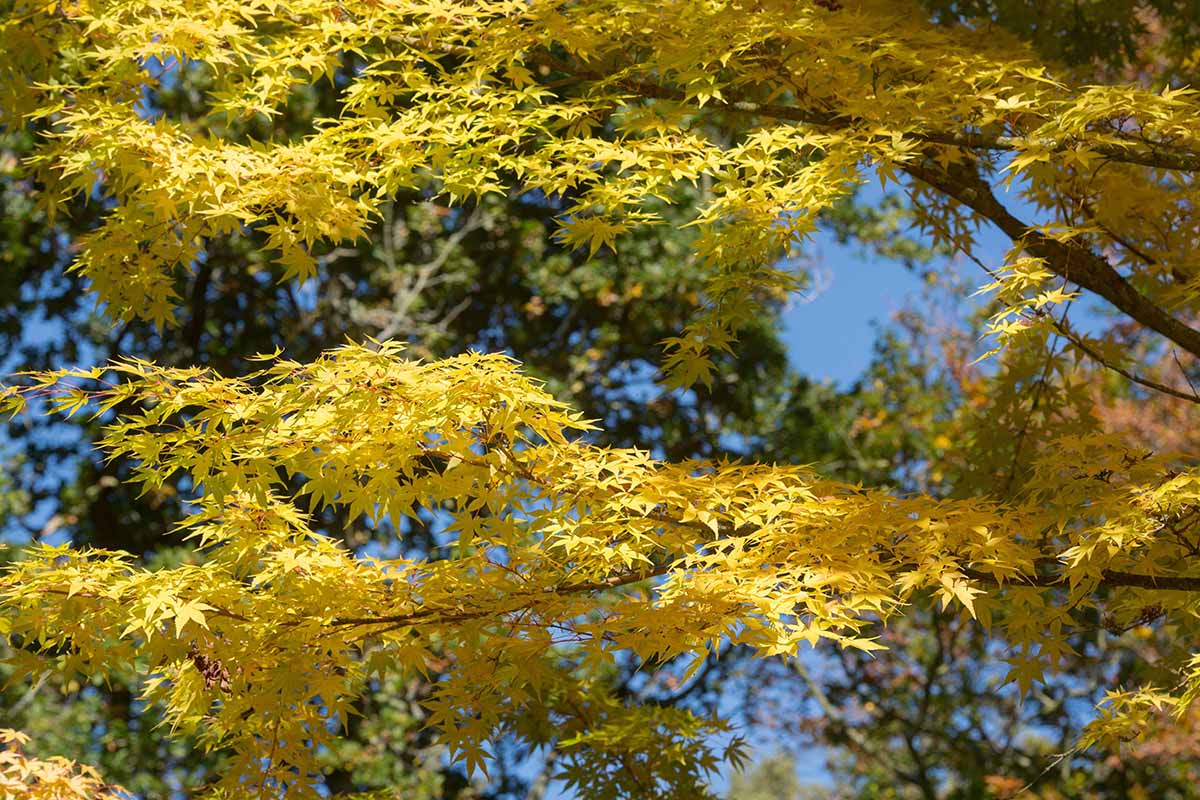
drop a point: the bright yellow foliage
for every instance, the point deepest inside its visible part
(280, 627)
(560, 545)
(54, 779)
(473, 97)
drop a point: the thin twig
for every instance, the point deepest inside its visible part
(1186, 377)
(1063, 329)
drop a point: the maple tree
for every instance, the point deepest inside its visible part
(562, 552)
(543, 298)
(55, 779)
(933, 720)
(109, 727)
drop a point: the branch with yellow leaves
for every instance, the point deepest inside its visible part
(1158, 155)
(1078, 341)
(1070, 261)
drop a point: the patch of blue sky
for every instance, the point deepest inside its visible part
(830, 329)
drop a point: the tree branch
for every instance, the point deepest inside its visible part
(1156, 155)
(454, 615)
(1070, 261)
(1092, 353)
(1108, 578)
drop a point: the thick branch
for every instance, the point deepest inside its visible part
(1108, 578)
(1072, 262)
(1069, 261)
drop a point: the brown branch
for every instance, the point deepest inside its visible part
(1108, 579)
(1091, 352)
(1113, 579)
(453, 615)
(1070, 261)
(215, 611)
(1158, 155)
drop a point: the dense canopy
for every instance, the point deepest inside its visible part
(554, 553)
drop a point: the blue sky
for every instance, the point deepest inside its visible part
(829, 332)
